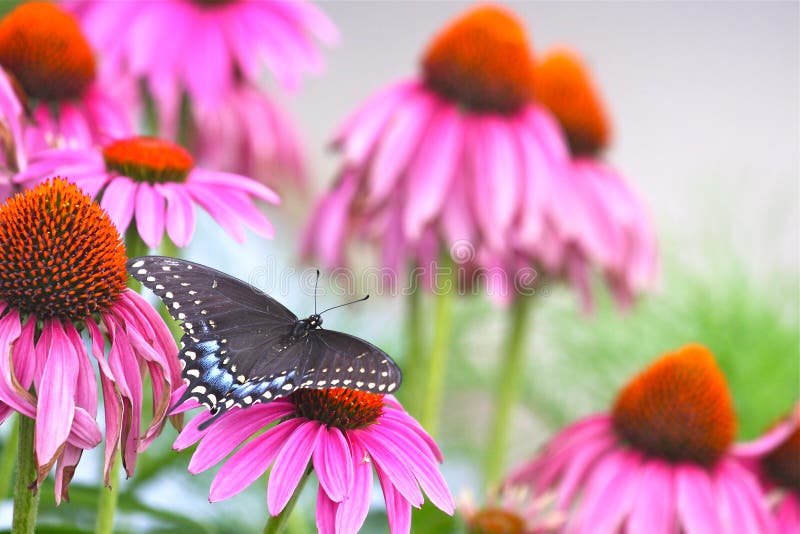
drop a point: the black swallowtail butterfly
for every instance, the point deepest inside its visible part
(242, 347)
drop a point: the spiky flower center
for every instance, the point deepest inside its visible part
(345, 409)
(147, 159)
(44, 48)
(483, 61)
(496, 521)
(564, 86)
(60, 254)
(782, 465)
(679, 408)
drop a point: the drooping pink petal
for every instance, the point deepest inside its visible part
(235, 182)
(696, 505)
(333, 464)
(352, 511)
(291, 463)
(326, 513)
(84, 432)
(180, 216)
(10, 329)
(610, 493)
(56, 402)
(65, 468)
(119, 199)
(386, 459)
(149, 214)
(251, 461)
(398, 510)
(653, 509)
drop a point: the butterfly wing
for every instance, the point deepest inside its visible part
(230, 325)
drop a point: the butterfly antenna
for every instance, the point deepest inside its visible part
(316, 284)
(345, 304)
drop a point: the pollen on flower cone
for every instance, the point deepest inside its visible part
(482, 60)
(679, 408)
(496, 521)
(60, 254)
(782, 465)
(44, 48)
(148, 159)
(345, 409)
(565, 87)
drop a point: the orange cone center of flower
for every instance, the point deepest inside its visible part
(345, 409)
(782, 465)
(496, 521)
(564, 86)
(147, 159)
(60, 254)
(44, 48)
(679, 408)
(483, 61)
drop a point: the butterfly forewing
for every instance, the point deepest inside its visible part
(240, 348)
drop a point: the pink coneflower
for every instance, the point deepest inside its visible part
(595, 215)
(510, 510)
(158, 43)
(156, 183)
(62, 274)
(342, 434)
(44, 49)
(775, 458)
(660, 461)
(463, 152)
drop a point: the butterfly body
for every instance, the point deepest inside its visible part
(242, 347)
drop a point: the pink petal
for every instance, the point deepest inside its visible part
(401, 139)
(696, 505)
(112, 407)
(653, 509)
(226, 217)
(56, 406)
(326, 513)
(610, 493)
(230, 431)
(84, 432)
(433, 170)
(149, 214)
(119, 199)
(291, 464)
(180, 217)
(352, 511)
(398, 509)
(64, 470)
(333, 464)
(15, 345)
(235, 183)
(251, 461)
(386, 459)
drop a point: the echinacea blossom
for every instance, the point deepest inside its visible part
(600, 221)
(462, 152)
(43, 48)
(775, 458)
(156, 183)
(343, 435)
(157, 42)
(510, 510)
(63, 279)
(660, 462)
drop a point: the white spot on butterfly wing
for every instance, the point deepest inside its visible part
(138, 264)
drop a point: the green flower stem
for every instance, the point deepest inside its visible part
(507, 389)
(26, 499)
(277, 523)
(107, 503)
(8, 457)
(437, 360)
(415, 360)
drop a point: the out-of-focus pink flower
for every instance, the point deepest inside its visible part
(214, 53)
(342, 434)
(156, 183)
(660, 462)
(510, 510)
(43, 48)
(775, 458)
(62, 275)
(13, 153)
(598, 218)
